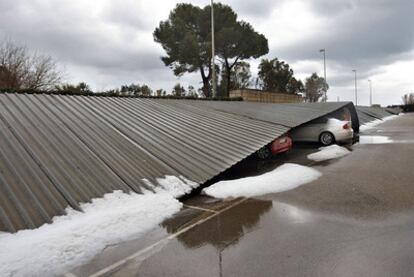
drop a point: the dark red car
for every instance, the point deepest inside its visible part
(279, 145)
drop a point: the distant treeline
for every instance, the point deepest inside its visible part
(408, 108)
(111, 94)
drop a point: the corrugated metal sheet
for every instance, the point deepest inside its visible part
(62, 150)
(58, 151)
(368, 114)
(376, 112)
(365, 118)
(290, 115)
(394, 110)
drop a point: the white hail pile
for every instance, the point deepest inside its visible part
(329, 152)
(374, 123)
(283, 178)
(74, 239)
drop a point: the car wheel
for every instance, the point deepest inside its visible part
(264, 153)
(326, 138)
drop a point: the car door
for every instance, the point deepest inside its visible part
(305, 133)
(314, 131)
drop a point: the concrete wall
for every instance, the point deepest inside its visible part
(265, 96)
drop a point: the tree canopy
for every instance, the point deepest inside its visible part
(186, 38)
(277, 76)
(408, 99)
(136, 89)
(235, 41)
(80, 88)
(178, 90)
(315, 87)
(240, 77)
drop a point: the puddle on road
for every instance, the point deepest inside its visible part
(367, 139)
(374, 140)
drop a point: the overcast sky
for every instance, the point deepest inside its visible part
(107, 43)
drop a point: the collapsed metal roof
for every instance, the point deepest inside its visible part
(368, 114)
(58, 151)
(290, 115)
(394, 110)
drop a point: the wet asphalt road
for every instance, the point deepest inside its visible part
(356, 220)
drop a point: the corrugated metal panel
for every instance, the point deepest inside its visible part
(62, 150)
(376, 112)
(368, 114)
(395, 110)
(197, 143)
(127, 160)
(58, 151)
(290, 115)
(382, 112)
(27, 196)
(54, 161)
(365, 118)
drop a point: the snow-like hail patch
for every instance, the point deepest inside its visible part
(175, 186)
(329, 152)
(374, 140)
(74, 239)
(374, 123)
(285, 177)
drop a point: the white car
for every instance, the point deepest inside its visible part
(325, 130)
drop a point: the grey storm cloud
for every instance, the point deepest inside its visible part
(113, 39)
(258, 8)
(363, 36)
(107, 41)
(331, 7)
(128, 15)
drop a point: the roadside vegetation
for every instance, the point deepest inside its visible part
(408, 102)
(21, 68)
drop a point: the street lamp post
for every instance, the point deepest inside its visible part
(370, 93)
(213, 54)
(324, 69)
(356, 89)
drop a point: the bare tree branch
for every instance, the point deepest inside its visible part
(21, 70)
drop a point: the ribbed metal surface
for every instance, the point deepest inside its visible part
(394, 110)
(290, 115)
(27, 196)
(365, 118)
(375, 112)
(59, 151)
(50, 150)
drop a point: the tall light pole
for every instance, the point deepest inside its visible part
(213, 52)
(324, 69)
(356, 89)
(370, 93)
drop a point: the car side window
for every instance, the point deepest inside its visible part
(320, 120)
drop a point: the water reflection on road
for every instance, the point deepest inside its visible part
(224, 229)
